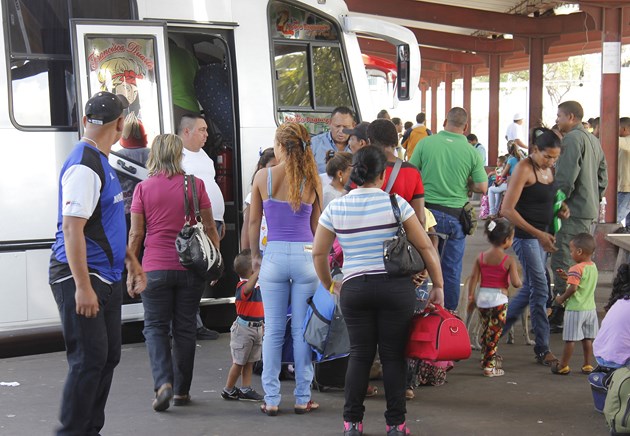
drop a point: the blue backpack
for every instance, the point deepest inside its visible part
(324, 327)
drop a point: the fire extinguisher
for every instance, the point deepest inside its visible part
(225, 172)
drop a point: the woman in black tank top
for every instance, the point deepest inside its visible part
(528, 204)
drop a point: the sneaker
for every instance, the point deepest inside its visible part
(206, 334)
(249, 395)
(352, 428)
(398, 430)
(234, 394)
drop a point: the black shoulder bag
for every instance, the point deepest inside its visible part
(400, 257)
(195, 250)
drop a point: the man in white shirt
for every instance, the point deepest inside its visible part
(194, 131)
(515, 131)
(623, 173)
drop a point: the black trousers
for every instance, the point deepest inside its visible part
(378, 311)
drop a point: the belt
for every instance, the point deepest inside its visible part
(452, 211)
(246, 323)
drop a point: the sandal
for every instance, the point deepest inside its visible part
(181, 400)
(308, 407)
(556, 369)
(587, 369)
(493, 372)
(371, 391)
(546, 359)
(163, 398)
(269, 410)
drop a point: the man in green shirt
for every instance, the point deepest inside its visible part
(450, 167)
(582, 176)
(184, 67)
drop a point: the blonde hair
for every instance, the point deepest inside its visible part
(301, 170)
(166, 155)
(111, 72)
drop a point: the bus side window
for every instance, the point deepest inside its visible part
(40, 66)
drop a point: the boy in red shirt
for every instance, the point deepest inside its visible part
(246, 333)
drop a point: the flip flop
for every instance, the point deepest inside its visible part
(555, 369)
(269, 410)
(493, 372)
(310, 406)
(587, 369)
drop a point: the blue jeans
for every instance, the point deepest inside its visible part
(172, 298)
(287, 276)
(623, 207)
(535, 292)
(93, 351)
(452, 255)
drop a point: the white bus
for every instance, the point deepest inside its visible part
(260, 63)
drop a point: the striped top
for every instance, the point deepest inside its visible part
(362, 221)
(249, 307)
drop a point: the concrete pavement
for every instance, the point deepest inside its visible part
(528, 400)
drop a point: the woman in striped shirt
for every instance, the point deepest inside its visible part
(377, 308)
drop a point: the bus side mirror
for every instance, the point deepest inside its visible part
(402, 58)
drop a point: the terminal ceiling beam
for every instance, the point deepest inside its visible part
(476, 44)
(495, 22)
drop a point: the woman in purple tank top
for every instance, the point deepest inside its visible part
(290, 195)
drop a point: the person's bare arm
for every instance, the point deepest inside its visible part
(418, 206)
(520, 143)
(568, 293)
(322, 243)
(136, 233)
(248, 287)
(76, 252)
(420, 240)
(317, 209)
(473, 281)
(136, 278)
(481, 187)
(515, 279)
(255, 218)
(210, 227)
(245, 229)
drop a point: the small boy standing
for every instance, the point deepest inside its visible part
(580, 316)
(246, 333)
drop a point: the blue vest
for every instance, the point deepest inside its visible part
(105, 231)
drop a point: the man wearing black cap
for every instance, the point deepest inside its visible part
(357, 137)
(86, 266)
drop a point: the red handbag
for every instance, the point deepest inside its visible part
(438, 335)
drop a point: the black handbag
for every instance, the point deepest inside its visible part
(400, 257)
(195, 250)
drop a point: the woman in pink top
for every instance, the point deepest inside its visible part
(173, 292)
(493, 271)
